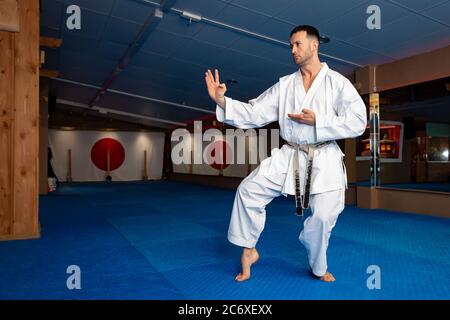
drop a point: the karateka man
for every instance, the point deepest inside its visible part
(314, 107)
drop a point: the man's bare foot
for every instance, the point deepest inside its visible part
(249, 257)
(327, 277)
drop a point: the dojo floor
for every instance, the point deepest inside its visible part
(167, 240)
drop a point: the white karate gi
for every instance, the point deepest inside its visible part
(340, 113)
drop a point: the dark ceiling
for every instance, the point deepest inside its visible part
(161, 82)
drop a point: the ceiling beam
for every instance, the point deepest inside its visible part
(46, 73)
(50, 42)
(103, 110)
(132, 95)
(198, 18)
(150, 24)
(68, 117)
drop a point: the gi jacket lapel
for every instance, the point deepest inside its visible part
(303, 99)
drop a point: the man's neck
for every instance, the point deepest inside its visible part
(311, 70)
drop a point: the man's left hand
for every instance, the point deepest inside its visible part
(307, 117)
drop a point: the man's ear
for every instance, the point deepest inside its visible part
(315, 44)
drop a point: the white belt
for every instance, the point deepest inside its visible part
(302, 201)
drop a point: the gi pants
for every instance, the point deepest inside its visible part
(249, 216)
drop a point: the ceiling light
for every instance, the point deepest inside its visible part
(191, 16)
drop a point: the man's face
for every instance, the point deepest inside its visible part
(302, 47)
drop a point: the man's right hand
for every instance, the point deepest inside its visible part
(216, 90)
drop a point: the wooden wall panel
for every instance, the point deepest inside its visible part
(19, 126)
(6, 127)
(438, 172)
(420, 68)
(26, 121)
(410, 201)
(9, 15)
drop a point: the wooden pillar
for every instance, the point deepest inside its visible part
(69, 166)
(6, 131)
(19, 133)
(145, 175)
(9, 16)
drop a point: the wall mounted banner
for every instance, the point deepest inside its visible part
(94, 154)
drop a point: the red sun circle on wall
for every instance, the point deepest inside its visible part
(99, 154)
(219, 154)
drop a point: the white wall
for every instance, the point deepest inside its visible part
(83, 169)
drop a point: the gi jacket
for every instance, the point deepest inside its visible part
(340, 113)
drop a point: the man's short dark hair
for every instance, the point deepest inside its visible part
(310, 31)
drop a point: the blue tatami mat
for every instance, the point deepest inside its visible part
(143, 240)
